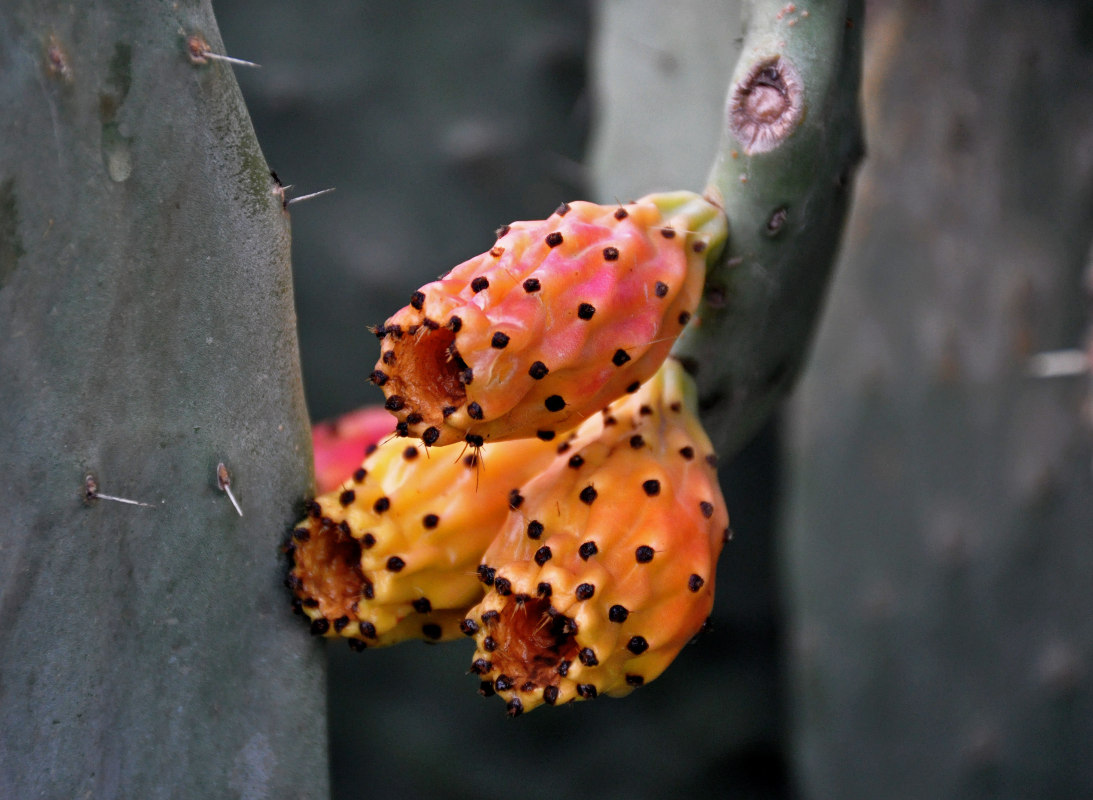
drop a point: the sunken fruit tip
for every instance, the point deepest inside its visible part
(392, 553)
(605, 567)
(559, 318)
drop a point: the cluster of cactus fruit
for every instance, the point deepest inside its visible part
(548, 489)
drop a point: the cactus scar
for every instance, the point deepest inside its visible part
(766, 105)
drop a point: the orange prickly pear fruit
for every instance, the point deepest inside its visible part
(558, 319)
(605, 568)
(393, 552)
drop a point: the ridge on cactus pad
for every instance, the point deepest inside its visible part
(559, 318)
(391, 553)
(605, 567)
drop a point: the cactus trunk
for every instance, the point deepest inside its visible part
(147, 334)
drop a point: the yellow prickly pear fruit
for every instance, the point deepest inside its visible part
(393, 552)
(558, 319)
(605, 566)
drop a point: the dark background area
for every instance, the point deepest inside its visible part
(436, 123)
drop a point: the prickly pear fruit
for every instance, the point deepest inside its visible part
(340, 444)
(554, 322)
(605, 568)
(392, 553)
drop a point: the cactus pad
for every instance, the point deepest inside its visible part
(555, 321)
(605, 567)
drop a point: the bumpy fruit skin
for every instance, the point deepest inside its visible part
(550, 325)
(606, 567)
(392, 553)
(340, 444)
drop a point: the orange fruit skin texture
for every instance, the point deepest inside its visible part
(550, 325)
(391, 553)
(597, 594)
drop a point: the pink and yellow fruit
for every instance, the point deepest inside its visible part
(605, 566)
(555, 321)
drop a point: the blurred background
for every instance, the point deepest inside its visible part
(905, 609)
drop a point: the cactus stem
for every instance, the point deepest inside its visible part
(790, 141)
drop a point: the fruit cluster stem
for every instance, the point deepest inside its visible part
(790, 142)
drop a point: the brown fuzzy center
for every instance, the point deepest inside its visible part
(533, 640)
(429, 372)
(328, 567)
